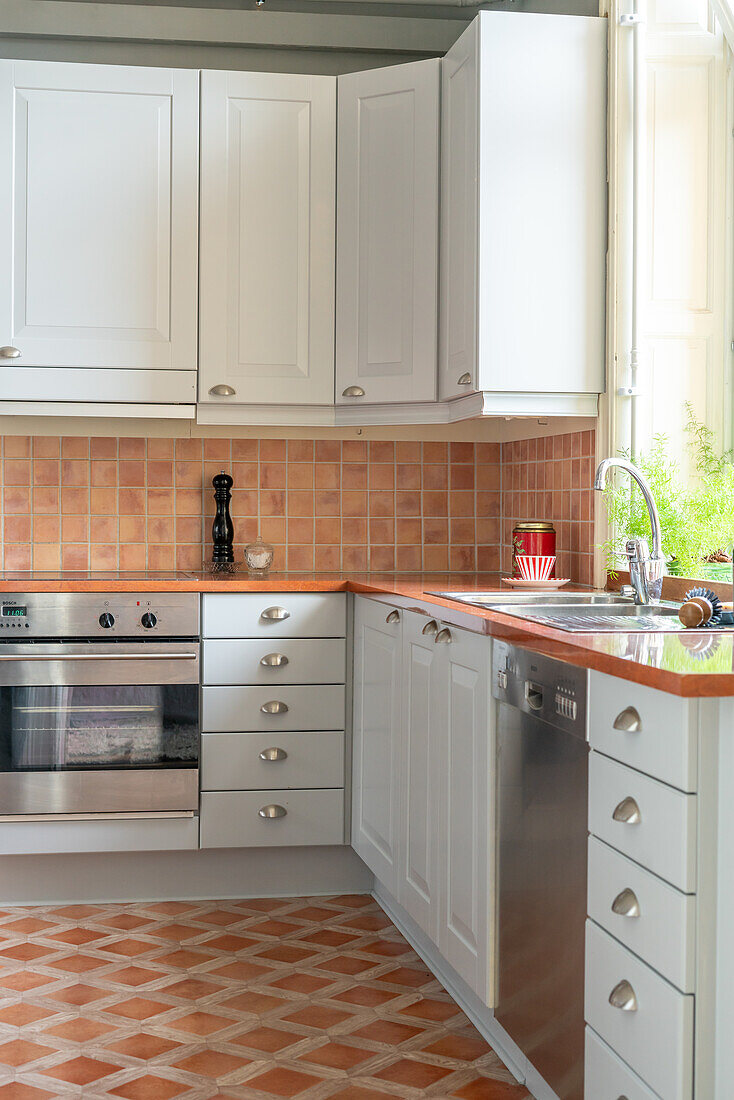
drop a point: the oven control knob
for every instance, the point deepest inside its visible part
(106, 620)
(149, 620)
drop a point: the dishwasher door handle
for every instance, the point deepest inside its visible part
(533, 695)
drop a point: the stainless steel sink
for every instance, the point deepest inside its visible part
(554, 599)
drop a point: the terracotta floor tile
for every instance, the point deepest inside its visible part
(200, 1023)
(138, 1008)
(222, 917)
(254, 1002)
(387, 1031)
(212, 1063)
(16, 1090)
(26, 952)
(367, 922)
(314, 913)
(352, 901)
(263, 905)
(483, 1088)
(286, 953)
(129, 947)
(277, 928)
(143, 1045)
(269, 1039)
(318, 1016)
(190, 989)
(81, 1070)
(465, 1048)
(345, 964)
(77, 964)
(337, 1056)
(412, 1074)
(428, 1009)
(26, 926)
(19, 1015)
(24, 980)
(126, 922)
(406, 975)
(169, 908)
(133, 975)
(357, 1092)
(327, 937)
(78, 937)
(176, 932)
(365, 995)
(185, 959)
(387, 948)
(302, 983)
(241, 971)
(76, 912)
(80, 1030)
(282, 1082)
(231, 944)
(78, 994)
(149, 1088)
(19, 1052)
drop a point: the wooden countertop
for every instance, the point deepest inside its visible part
(692, 664)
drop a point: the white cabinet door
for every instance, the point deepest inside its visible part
(462, 695)
(377, 788)
(459, 216)
(267, 238)
(387, 233)
(98, 226)
(418, 892)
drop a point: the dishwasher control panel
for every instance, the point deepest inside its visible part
(550, 690)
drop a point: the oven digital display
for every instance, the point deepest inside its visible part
(14, 611)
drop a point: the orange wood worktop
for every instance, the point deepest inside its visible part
(696, 663)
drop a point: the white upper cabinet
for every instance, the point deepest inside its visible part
(268, 154)
(98, 232)
(523, 207)
(387, 234)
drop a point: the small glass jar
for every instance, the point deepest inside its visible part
(258, 557)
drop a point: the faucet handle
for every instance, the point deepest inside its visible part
(637, 549)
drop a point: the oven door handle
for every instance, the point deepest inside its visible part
(51, 657)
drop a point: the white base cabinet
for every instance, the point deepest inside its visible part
(98, 233)
(421, 788)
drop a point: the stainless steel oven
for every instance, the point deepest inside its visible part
(99, 704)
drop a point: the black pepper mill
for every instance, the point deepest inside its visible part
(222, 528)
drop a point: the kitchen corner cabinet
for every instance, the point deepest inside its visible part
(421, 795)
(387, 234)
(523, 211)
(98, 233)
(268, 151)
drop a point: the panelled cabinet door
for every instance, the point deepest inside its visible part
(423, 716)
(459, 216)
(387, 234)
(376, 792)
(98, 224)
(462, 689)
(267, 238)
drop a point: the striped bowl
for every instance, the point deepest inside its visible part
(534, 567)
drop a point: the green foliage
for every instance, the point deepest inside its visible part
(697, 519)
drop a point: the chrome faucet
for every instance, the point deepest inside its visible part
(647, 568)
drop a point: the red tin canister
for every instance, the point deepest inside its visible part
(533, 538)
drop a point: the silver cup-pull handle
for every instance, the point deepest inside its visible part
(627, 721)
(9, 352)
(444, 636)
(272, 756)
(222, 390)
(628, 812)
(431, 627)
(274, 660)
(623, 997)
(272, 811)
(393, 617)
(275, 614)
(274, 707)
(353, 391)
(464, 379)
(626, 904)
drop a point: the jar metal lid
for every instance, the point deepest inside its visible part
(534, 526)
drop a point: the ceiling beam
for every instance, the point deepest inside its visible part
(226, 27)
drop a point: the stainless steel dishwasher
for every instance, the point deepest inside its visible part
(542, 796)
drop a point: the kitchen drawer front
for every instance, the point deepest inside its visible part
(310, 707)
(606, 1077)
(231, 819)
(656, 1039)
(664, 840)
(291, 661)
(233, 761)
(254, 615)
(664, 932)
(662, 738)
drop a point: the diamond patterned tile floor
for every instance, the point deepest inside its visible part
(265, 999)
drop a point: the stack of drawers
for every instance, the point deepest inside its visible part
(273, 713)
(640, 945)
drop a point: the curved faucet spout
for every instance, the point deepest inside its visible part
(652, 508)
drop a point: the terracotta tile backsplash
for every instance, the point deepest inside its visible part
(130, 503)
(551, 479)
